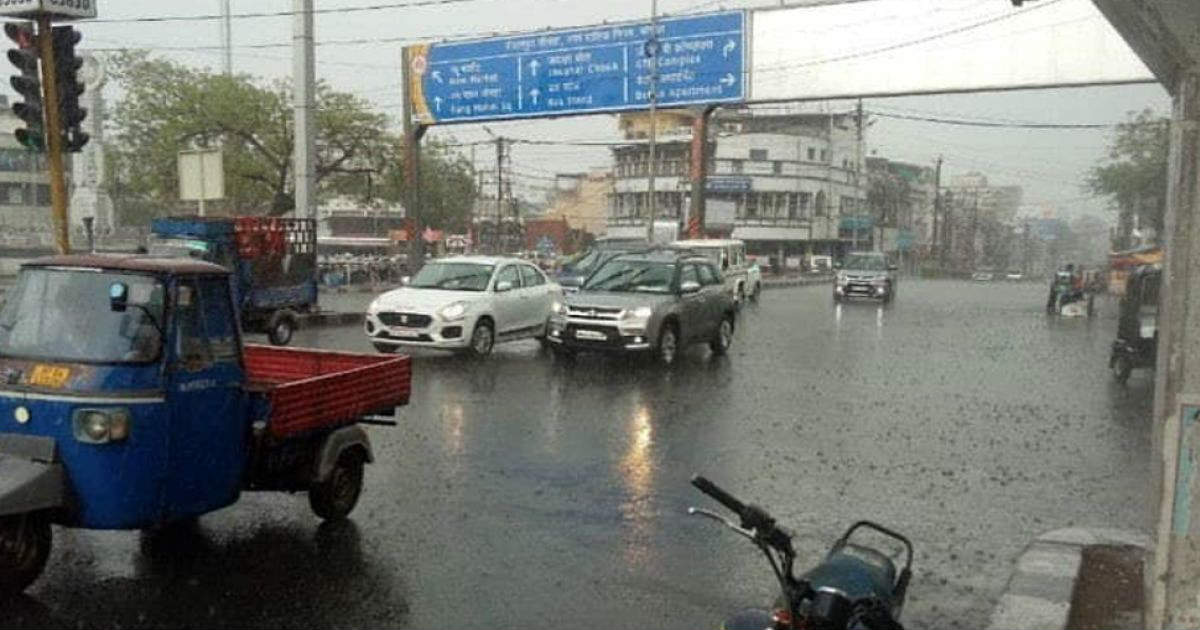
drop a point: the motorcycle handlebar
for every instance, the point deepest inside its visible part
(722, 497)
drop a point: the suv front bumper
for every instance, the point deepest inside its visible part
(592, 336)
(861, 289)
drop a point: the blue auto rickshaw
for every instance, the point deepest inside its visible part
(128, 401)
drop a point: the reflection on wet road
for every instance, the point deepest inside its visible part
(521, 491)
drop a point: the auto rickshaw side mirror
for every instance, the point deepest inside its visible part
(118, 296)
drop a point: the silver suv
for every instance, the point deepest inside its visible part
(865, 274)
(656, 301)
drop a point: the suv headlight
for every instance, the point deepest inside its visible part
(99, 426)
(641, 312)
(453, 312)
(879, 281)
(842, 278)
(558, 308)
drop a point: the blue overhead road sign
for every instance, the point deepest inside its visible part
(702, 59)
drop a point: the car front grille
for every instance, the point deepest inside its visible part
(408, 320)
(594, 313)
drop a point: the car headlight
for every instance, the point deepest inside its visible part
(879, 281)
(558, 308)
(453, 311)
(98, 426)
(842, 278)
(642, 312)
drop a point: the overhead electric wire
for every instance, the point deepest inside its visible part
(1000, 125)
(271, 14)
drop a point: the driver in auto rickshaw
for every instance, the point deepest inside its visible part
(1066, 287)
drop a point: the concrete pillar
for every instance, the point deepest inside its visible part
(699, 169)
(1174, 600)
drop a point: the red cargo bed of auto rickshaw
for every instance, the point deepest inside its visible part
(307, 390)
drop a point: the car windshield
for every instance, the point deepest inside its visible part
(66, 315)
(632, 275)
(453, 276)
(866, 263)
(583, 263)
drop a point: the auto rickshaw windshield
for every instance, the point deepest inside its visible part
(66, 315)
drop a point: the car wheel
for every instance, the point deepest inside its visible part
(280, 329)
(723, 337)
(668, 345)
(24, 547)
(334, 498)
(483, 338)
(1122, 367)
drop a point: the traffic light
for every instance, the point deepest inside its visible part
(28, 84)
(66, 68)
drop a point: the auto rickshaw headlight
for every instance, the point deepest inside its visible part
(98, 426)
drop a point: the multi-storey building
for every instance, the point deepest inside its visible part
(24, 186)
(786, 184)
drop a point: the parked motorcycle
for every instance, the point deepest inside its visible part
(854, 587)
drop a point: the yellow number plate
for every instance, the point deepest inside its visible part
(49, 376)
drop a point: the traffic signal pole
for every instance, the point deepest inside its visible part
(54, 145)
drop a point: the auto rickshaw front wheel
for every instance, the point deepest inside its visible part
(334, 498)
(24, 548)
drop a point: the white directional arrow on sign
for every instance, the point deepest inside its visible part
(730, 46)
(534, 94)
(728, 79)
(437, 75)
(533, 66)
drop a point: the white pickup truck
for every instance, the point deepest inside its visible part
(743, 278)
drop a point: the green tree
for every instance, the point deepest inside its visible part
(167, 107)
(448, 187)
(1133, 176)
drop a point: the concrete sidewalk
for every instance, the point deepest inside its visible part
(1039, 593)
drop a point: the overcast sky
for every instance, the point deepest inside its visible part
(1050, 165)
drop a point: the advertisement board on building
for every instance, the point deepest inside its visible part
(728, 184)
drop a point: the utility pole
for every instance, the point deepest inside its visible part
(858, 146)
(227, 36)
(499, 193)
(937, 206)
(652, 53)
(303, 80)
(53, 135)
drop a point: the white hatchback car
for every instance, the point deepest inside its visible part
(466, 303)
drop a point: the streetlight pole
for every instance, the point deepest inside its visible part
(652, 53)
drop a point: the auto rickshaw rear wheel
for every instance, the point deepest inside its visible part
(1122, 366)
(335, 497)
(24, 548)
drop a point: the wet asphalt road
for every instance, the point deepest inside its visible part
(525, 492)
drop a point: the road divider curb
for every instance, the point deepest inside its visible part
(780, 283)
(1038, 594)
(316, 320)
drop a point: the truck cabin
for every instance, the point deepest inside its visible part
(118, 310)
